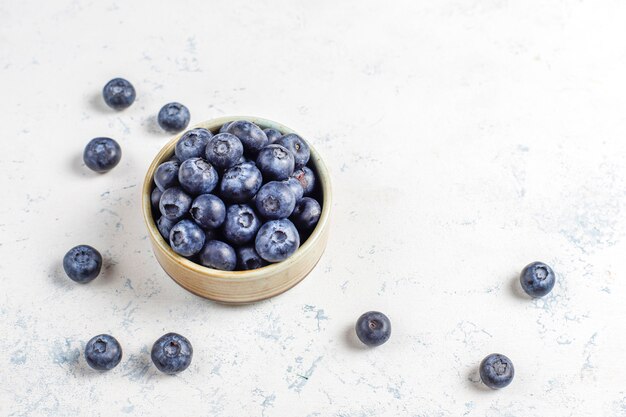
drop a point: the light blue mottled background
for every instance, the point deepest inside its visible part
(466, 139)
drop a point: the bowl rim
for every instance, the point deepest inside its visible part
(323, 179)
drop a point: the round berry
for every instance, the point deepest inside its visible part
(251, 136)
(224, 150)
(306, 214)
(298, 147)
(295, 186)
(166, 175)
(175, 203)
(102, 154)
(537, 279)
(82, 263)
(186, 238)
(173, 117)
(241, 224)
(218, 255)
(103, 352)
(275, 162)
(118, 93)
(165, 227)
(208, 211)
(275, 200)
(272, 135)
(306, 177)
(172, 353)
(241, 182)
(197, 176)
(496, 371)
(277, 240)
(192, 144)
(373, 328)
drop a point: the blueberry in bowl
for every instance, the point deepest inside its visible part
(242, 219)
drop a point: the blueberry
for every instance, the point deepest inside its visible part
(306, 178)
(218, 255)
(373, 328)
(275, 162)
(224, 127)
(224, 150)
(241, 224)
(272, 135)
(496, 371)
(192, 144)
(175, 203)
(186, 238)
(306, 214)
(166, 175)
(172, 353)
(103, 352)
(208, 211)
(248, 259)
(173, 117)
(275, 200)
(298, 147)
(277, 240)
(241, 182)
(165, 226)
(295, 186)
(82, 263)
(155, 197)
(537, 279)
(197, 176)
(118, 94)
(102, 154)
(250, 135)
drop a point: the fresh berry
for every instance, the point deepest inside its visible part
(272, 135)
(224, 127)
(218, 255)
(298, 147)
(192, 144)
(197, 176)
(537, 279)
(306, 177)
(295, 186)
(171, 353)
(277, 240)
(155, 197)
(173, 117)
(224, 150)
(248, 259)
(165, 227)
(250, 135)
(496, 371)
(208, 211)
(275, 162)
(166, 175)
(241, 224)
(186, 238)
(103, 352)
(175, 203)
(118, 94)
(275, 200)
(82, 263)
(373, 328)
(102, 154)
(241, 182)
(306, 214)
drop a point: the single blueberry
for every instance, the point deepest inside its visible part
(306, 214)
(224, 127)
(224, 150)
(218, 255)
(248, 259)
(192, 144)
(275, 162)
(250, 135)
(295, 186)
(241, 224)
(197, 176)
(173, 117)
(272, 135)
(102, 154)
(82, 263)
(241, 182)
(275, 200)
(166, 175)
(208, 211)
(373, 328)
(537, 279)
(187, 238)
(155, 197)
(171, 353)
(496, 371)
(277, 240)
(306, 177)
(165, 227)
(175, 203)
(118, 93)
(103, 352)
(298, 147)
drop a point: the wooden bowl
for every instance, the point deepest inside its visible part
(240, 287)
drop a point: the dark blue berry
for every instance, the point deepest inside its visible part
(173, 117)
(537, 279)
(298, 147)
(275, 162)
(272, 135)
(118, 94)
(248, 259)
(103, 352)
(224, 150)
(192, 144)
(275, 200)
(306, 177)
(172, 353)
(241, 182)
(155, 197)
(306, 214)
(197, 176)
(166, 175)
(295, 186)
(186, 238)
(102, 154)
(241, 224)
(175, 203)
(218, 255)
(165, 227)
(496, 371)
(373, 328)
(208, 211)
(82, 263)
(250, 135)
(277, 240)
(224, 127)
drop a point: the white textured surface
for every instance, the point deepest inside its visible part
(466, 139)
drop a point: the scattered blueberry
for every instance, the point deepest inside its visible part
(306, 177)
(165, 227)
(241, 224)
(275, 162)
(155, 197)
(277, 240)
(275, 200)
(197, 176)
(208, 211)
(224, 127)
(373, 328)
(298, 147)
(272, 135)
(186, 238)
(250, 135)
(248, 259)
(82, 263)
(295, 186)
(218, 255)
(118, 94)
(102, 154)
(173, 117)
(166, 175)
(241, 182)
(172, 353)
(192, 144)
(224, 150)
(103, 352)
(175, 203)
(537, 279)
(496, 371)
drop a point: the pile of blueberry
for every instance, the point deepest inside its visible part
(238, 199)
